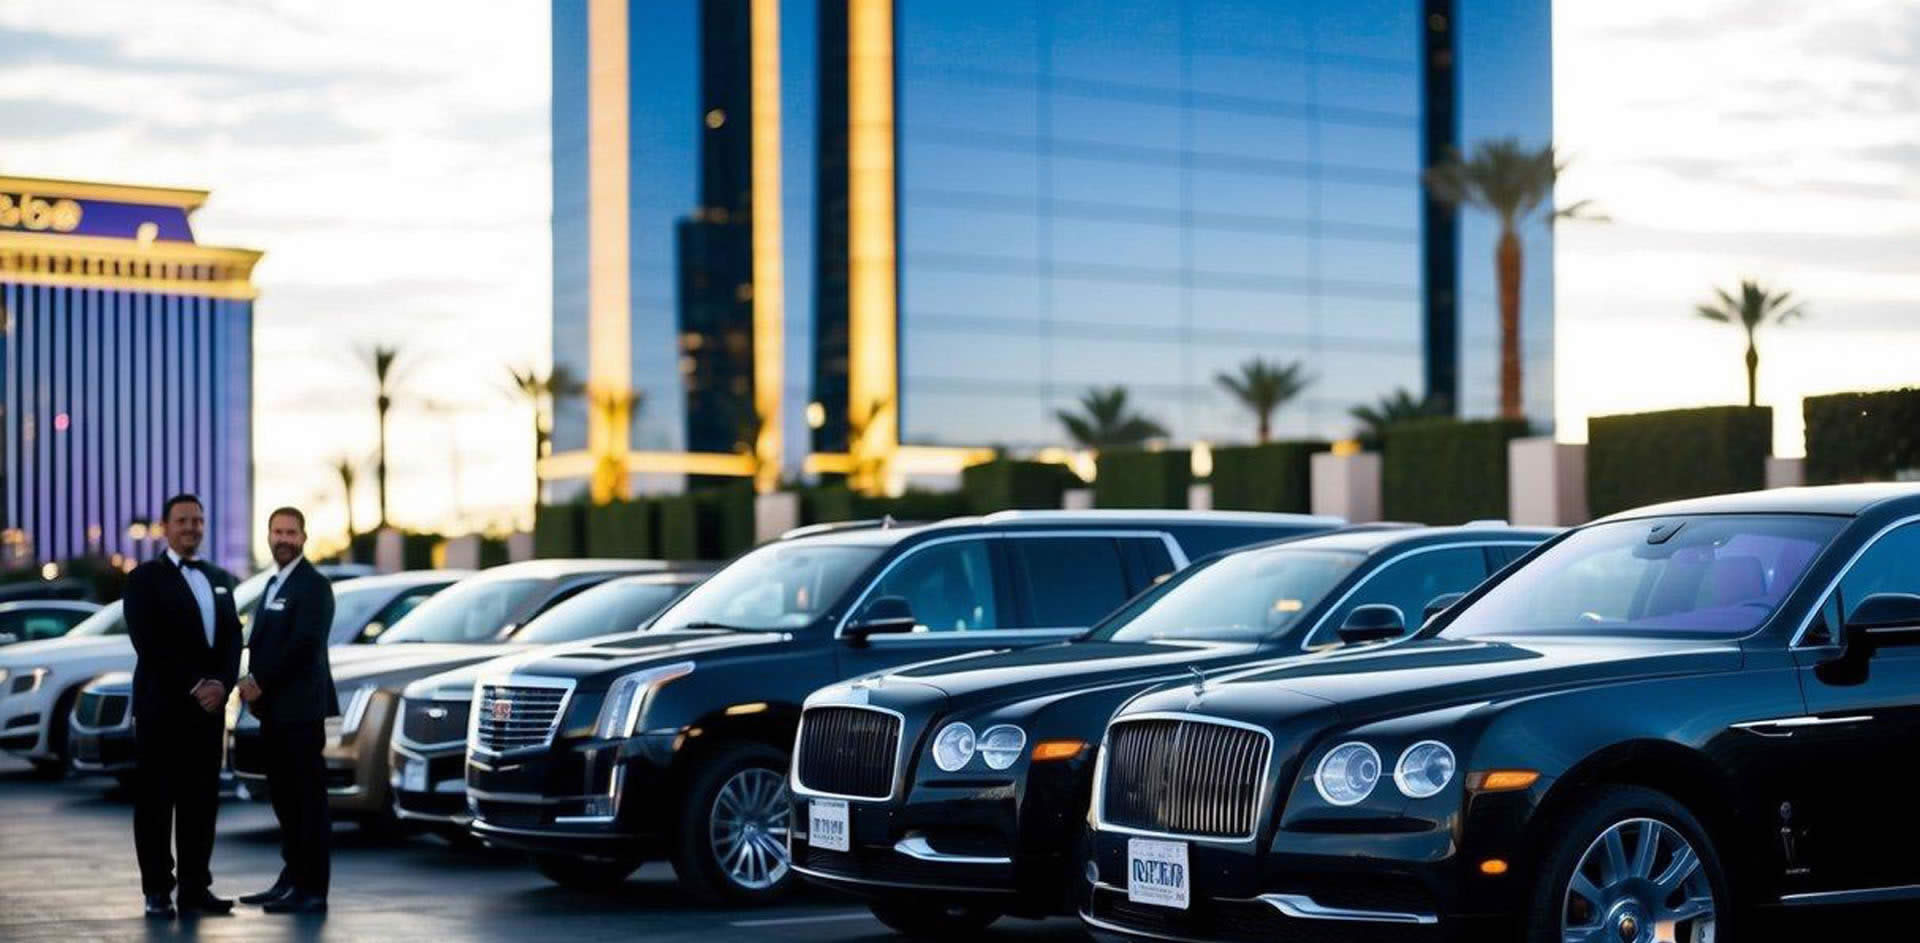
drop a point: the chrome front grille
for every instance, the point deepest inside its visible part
(1184, 776)
(430, 723)
(97, 711)
(847, 751)
(517, 716)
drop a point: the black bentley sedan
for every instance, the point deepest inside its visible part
(1653, 727)
(674, 742)
(984, 813)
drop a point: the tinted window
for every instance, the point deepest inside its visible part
(1891, 565)
(1710, 575)
(610, 608)
(1198, 541)
(1408, 584)
(1070, 581)
(472, 610)
(351, 610)
(395, 611)
(950, 586)
(1243, 597)
(783, 585)
(1149, 560)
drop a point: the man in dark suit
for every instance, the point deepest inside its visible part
(289, 686)
(186, 636)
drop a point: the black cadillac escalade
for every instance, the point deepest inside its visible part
(673, 742)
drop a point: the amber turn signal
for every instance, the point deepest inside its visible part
(1493, 866)
(1057, 750)
(1502, 780)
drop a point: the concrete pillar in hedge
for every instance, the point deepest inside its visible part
(1646, 458)
(389, 551)
(1140, 479)
(1200, 497)
(1076, 499)
(559, 530)
(519, 547)
(1445, 471)
(1546, 482)
(1872, 436)
(463, 553)
(1276, 476)
(775, 514)
(1786, 472)
(1005, 485)
(1346, 486)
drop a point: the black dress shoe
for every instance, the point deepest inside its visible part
(297, 903)
(267, 896)
(204, 902)
(160, 906)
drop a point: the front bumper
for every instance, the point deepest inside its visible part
(23, 723)
(593, 799)
(429, 782)
(102, 750)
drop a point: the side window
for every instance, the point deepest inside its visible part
(1148, 561)
(563, 595)
(1070, 582)
(385, 618)
(1891, 565)
(1410, 584)
(44, 626)
(950, 586)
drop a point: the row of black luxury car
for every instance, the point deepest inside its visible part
(1190, 726)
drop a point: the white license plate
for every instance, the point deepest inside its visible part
(827, 825)
(1157, 872)
(414, 778)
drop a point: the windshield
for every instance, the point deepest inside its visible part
(1241, 597)
(473, 610)
(1704, 576)
(603, 610)
(109, 620)
(779, 586)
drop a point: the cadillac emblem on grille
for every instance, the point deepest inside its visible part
(502, 710)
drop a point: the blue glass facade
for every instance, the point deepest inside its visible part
(126, 375)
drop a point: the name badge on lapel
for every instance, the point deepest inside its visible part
(276, 605)
(219, 590)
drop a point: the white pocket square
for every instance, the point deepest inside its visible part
(277, 605)
(220, 590)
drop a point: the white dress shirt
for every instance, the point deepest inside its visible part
(202, 592)
(278, 581)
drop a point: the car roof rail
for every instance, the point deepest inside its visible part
(833, 527)
(1488, 522)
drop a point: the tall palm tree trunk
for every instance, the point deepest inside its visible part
(380, 465)
(1753, 372)
(1507, 264)
(1266, 428)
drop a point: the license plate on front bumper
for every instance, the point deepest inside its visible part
(414, 777)
(1157, 872)
(827, 825)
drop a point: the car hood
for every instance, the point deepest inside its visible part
(1000, 676)
(53, 651)
(602, 660)
(1418, 676)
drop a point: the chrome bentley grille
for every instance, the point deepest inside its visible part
(434, 722)
(97, 710)
(847, 751)
(1184, 777)
(517, 716)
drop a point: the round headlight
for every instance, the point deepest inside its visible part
(1424, 769)
(1001, 745)
(953, 747)
(1348, 773)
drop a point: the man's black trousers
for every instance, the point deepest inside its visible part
(176, 796)
(297, 783)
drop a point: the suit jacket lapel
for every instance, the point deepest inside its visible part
(185, 592)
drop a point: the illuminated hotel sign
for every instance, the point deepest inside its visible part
(29, 212)
(26, 211)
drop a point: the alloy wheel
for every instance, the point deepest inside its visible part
(748, 828)
(1641, 881)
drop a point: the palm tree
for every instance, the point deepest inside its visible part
(544, 394)
(1509, 181)
(1264, 386)
(613, 409)
(1755, 306)
(1398, 406)
(380, 358)
(345, 468)
(1105, 421)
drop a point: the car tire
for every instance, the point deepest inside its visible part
(583, 874)
(934, 921)
(739, 786)
(56, 766)
(1611, 829)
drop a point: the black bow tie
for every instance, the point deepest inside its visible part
(187, 563)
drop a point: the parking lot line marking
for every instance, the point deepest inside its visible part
(822, 918)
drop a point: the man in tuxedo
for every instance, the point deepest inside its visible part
(289, 686)
(186, 637)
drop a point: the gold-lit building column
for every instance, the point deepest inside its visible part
(872, 298)
(609, 305)
(769, 277)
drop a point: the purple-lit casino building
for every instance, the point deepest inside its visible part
(126, 372)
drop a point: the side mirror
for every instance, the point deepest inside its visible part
(1884, 619)
(1440, 604)
(884, 615)
(1373, 623)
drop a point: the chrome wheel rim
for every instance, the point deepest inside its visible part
(1641, 881)
(748, 828)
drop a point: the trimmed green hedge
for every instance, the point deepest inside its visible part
(1140, 479)
(1006, 485)
(725, 521)
(1445, 471)
(826, 504)
(1646, 458)
(1870, 436)
(621, 529)
(559, 530)
(915, 505)
(493, 551)
(680, 527)
(1271, 477)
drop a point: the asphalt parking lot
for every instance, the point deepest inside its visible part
(67, 873)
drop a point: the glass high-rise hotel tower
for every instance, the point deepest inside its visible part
(918, 223)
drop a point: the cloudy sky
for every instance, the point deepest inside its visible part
(391, 159)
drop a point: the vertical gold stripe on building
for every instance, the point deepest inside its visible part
(872, 370)
(609, 307)
(769, 277)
